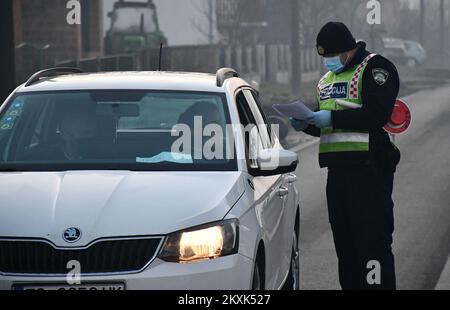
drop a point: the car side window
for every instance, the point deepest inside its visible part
(272, 134)
(246, 118)
(263, 126)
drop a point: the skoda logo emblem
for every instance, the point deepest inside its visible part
(72, 234)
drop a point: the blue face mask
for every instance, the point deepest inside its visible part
(333, 64)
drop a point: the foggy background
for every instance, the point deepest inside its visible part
(270, 42)
(178, 19)
(272, 45)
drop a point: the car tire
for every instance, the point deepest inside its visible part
(257, 284)
(293, 278)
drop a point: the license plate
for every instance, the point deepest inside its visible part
(65, 287)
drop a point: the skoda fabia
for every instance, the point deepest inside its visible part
(144, 180)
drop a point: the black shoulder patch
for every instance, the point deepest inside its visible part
(380, 75)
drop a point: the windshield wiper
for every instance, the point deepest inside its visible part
(8, 169)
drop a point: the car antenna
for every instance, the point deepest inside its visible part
(160, 55)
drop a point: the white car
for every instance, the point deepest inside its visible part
(95, 196)
(415, 53)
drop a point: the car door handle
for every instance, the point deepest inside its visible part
(291, 178)
(283, 191)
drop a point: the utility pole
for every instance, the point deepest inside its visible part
(7, 78)
(211, 21)
(372, 37)
(296, 77)
(442, 30)
(422, 23)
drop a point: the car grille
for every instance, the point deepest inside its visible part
(107, 256)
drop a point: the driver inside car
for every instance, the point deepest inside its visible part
(206, 113)
(77, 132)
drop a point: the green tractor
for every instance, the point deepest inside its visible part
(134, 25)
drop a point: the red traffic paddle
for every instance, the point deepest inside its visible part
(400, 118)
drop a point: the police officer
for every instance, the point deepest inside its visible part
(359, 155)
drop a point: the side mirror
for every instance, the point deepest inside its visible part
(275, 162)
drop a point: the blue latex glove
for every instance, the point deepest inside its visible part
(320, 119)
(298, 124)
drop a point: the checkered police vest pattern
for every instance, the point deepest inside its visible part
(354, 83)
(338, 140)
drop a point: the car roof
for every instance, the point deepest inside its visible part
(145, 80)
(412, 42)
(393, 43)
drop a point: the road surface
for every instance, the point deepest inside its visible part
(421, 196)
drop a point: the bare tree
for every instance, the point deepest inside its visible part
(315, 13)
(238, 21)
(207, 30)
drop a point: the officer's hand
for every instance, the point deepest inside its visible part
(298, 124)
(320, 119)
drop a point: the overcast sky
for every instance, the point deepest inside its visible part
(176, 18)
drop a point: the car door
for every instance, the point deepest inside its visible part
(270, 196)
(288, 215)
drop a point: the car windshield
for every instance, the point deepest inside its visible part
(134, 20)
(115, 130)
(413, 46)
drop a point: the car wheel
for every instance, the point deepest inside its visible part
(293, 279)
(257, 278)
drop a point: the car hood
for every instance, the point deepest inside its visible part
(109, 204)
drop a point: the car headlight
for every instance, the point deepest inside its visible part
(201, 243)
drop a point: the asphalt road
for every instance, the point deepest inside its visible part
(421, 196)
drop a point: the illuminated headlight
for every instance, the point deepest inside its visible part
(201, 243)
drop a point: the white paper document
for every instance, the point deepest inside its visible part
(297, 110)
(166, 157)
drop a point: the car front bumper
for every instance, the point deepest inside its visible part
(229, 272)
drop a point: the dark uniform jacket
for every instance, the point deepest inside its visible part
(378, 103)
